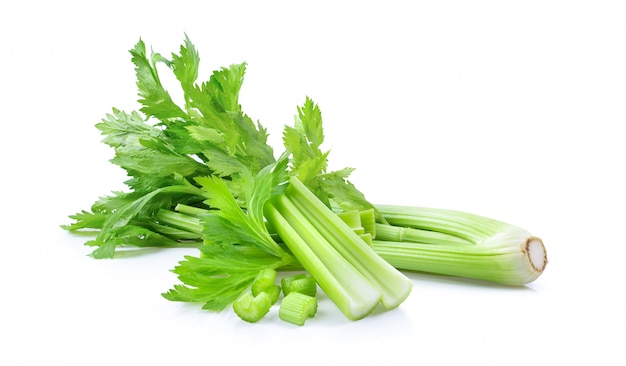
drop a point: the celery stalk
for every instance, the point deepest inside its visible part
(459, 244)
(344, 266)
(353, 220)
(344, 285)
(393, 285)
(443, 242)
(180, 220)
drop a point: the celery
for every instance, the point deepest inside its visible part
(252, 308)
(353, 220)
(447, 242)
(367, 237)
(204, 174)
(180, 221)
(345, 267)
(458, 244)
(264, 282)
(393, 285)
(299, 283)
(347, 288)
(363, 223)
(296, 308)
(368, 221)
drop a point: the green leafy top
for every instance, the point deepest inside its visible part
(164, 147)
(303, 140)
(184, 153)
(310, 163)
(229, 223)
(211, 127)
(237, 244)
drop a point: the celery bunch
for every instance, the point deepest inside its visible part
(203, 174)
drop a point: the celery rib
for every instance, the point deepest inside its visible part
(343, 264)
(497, 251)
(393, 285)
(400, 234)
(347, 288)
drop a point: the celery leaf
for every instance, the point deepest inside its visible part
(155, 99)
(237, 243)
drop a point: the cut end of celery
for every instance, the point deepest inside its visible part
(536, 252)
(296, 308)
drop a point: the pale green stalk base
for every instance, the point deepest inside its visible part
(459, 244)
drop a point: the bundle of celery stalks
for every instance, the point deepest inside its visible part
(273, 229)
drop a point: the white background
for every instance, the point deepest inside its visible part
(510, 109)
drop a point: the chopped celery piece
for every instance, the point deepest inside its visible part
(286, 280)
(252, 308)
(264, 282)
(274, 292)
(296, 308)
(299, 283)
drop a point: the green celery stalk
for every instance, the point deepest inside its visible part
(460, 244)
(343, 284)
(393, 285)
(180, 221)
(353, 220)
(443, 242)
(344, 266)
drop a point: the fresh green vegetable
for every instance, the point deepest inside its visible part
(459, 244)
(265, 282)
(252, 308)
(299, 283)
(237, 247)
(456, 243)
(296, 308)
(202, 174)
(343, 265)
